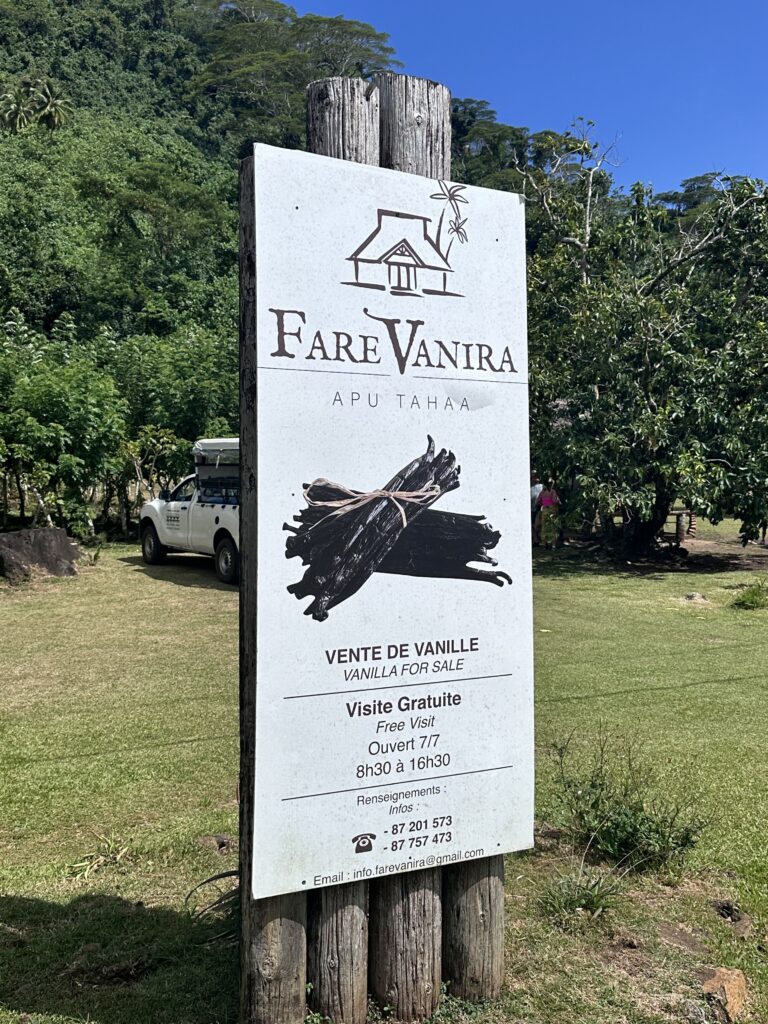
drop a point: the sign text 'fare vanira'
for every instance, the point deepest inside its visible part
(394, 724)
(405, 344)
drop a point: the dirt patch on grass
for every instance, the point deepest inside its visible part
(683, 937)
(90, 970)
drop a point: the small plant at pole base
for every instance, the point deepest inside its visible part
(582, 896)
(753, 597)
(454, 1009)
(224, 906)
(611, 806)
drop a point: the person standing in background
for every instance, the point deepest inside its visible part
(536, 488)
(548, 501)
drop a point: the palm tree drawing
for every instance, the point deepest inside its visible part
(451, 196)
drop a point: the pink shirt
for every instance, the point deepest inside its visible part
(547, 499)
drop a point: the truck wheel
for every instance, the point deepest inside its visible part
(152, 551)
(227, 561)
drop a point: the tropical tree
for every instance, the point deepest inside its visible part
(18, 108)
(642, 356)
(33, 101)
(53, 108)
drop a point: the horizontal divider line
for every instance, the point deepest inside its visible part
(371, 373)
(309, 369)
(469, 380)
(400, 782)
(398, 686)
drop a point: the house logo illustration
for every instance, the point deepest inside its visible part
(402, 257)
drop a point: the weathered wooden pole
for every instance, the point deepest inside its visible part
(415, 125)
(406, 912)
(405, 943)
(273, 947)
(342, 122)
(473, 928)
(343, 119)
(337, 952)
(416, 137)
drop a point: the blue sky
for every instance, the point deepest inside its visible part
(682, 85)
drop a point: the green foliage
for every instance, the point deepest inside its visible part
(614, 806)
(581, 896)
(647, 329)
(753, 597)
(121, 122)
(118, 250)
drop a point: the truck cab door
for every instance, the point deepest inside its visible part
(202, 522)
(176, 514)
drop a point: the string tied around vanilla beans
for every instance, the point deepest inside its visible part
(356, 499)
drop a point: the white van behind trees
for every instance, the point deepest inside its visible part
(202, 513)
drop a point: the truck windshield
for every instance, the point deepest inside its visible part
(185, 490)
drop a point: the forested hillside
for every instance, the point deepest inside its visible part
(122, 122)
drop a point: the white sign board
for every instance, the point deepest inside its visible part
(394, 702)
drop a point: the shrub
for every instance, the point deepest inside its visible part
(612, 807)
(583, 896)
(753, 596)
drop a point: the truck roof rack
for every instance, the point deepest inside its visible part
(217, 451)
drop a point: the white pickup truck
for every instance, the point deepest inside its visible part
(202, 513)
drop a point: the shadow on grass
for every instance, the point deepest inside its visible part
(569, 562)
(108, 960)
(183, 570)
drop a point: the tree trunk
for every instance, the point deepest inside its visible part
(639, 535)
(125, 509)
(473, 928)
(109, 492)
(405, 944)
(42, 512)
(337, 951)
(22, 499)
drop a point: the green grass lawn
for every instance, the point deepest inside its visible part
(118, 718)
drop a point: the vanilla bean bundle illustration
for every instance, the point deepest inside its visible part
(344, 536)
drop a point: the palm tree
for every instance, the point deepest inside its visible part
(53, 109)
(17, 108)
(33, 100)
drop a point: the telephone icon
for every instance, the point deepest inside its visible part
(364, 842)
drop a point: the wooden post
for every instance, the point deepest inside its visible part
(337, 952)
(473, 928)
(343, 119)
(273, 948)
(415, 125)
(416, 137)
(405, 943)
(405, 948)
(342, 122)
